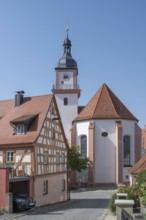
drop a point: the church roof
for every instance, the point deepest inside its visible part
(139, 166)
(105, 105)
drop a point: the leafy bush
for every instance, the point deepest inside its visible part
(143, 200)
(143, 187)
(112, 205)
(141, 178)
(133, 192)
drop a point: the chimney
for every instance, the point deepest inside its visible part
(19, 98)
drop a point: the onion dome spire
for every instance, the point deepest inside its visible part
(66, 61)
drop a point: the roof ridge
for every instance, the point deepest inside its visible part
(37, 96)
(4, 100)
(110, 92)
(99, 91)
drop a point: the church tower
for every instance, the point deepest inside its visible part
(66, 89)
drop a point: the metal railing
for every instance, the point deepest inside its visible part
(65, 86)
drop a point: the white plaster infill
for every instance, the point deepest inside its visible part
(125, 202)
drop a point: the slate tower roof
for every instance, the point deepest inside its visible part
(66, 61)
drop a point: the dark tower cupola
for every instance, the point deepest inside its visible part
(66, 61)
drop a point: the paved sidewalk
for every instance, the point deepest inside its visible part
(6, 216)
(109, 216)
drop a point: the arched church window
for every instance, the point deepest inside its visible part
(84, 146)
(127, 150)
(65, 101)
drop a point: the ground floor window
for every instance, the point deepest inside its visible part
(63, 185)
(45, 187)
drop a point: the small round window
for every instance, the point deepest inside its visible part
(104, 134)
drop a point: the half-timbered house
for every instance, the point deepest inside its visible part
(33, 145)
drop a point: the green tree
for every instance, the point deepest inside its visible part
(75, 161)
(141, 178)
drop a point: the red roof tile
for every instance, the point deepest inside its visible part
(31, 106)
(23, 119)
(139, 166)
(105, 105)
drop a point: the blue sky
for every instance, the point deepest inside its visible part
(108, 42)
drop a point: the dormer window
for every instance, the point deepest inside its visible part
(22, 124)
(20, 129)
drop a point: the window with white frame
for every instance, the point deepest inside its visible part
(45, 187)
(9, 156)
(63, 158)
(57, 157)
(20, 129)
(45, 158)
(1, 156)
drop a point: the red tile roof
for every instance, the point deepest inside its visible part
(23, 119)
(31, 106)
(105, 105)
(139, 166)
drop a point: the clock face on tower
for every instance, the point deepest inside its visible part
(66, 76)
(66, 80)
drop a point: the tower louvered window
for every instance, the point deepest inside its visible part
(65, 101)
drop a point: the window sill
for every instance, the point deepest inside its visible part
(127, 165)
